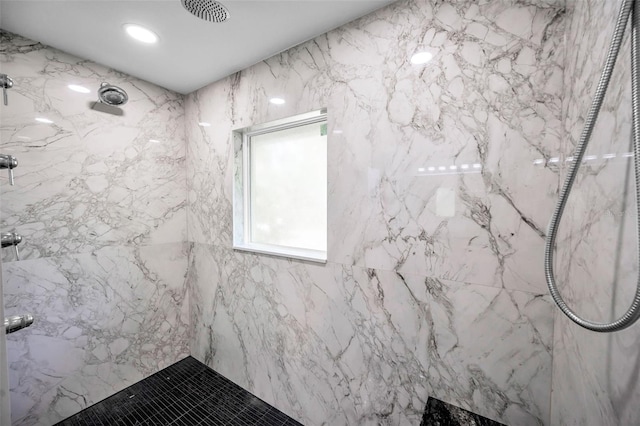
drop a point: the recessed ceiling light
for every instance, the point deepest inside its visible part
(154, 141)
(204, 124)
(141, 33)
(79, 89)
(277, 101)
(421, 58)
(44, 120)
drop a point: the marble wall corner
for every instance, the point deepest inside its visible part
(595, 375)
(351, 345)
(440, 188)
(100, 201)
(475, 122)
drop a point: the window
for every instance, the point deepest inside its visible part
(280, 187)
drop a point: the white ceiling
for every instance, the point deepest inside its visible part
(191, 52)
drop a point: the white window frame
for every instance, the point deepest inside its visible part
(242, 188)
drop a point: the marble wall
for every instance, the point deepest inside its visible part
(101, 203)
(434, 282)
(5, 402)
(596, 377)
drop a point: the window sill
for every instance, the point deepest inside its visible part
(282, 251)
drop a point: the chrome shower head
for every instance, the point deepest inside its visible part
(209, 10)
(112, 95)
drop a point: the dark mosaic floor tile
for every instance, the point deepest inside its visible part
(188, 393)
(439, 413)
(247, 417)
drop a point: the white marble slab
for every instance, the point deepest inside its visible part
(103, 320)
(5, 402)
(596, 376)
(347, 345)
(89, 179)
(363, 340)
(100, 203)
(480, 101)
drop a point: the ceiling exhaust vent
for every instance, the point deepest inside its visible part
(209, 10)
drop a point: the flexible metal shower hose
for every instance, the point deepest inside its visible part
(633, 312)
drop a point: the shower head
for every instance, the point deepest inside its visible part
(112, 95)
(209, 10)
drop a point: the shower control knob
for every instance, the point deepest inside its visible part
(6, 82)
(15, 323)
(9, 162)
(8, 239)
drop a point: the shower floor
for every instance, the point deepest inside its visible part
(186, 393)
(189, 393)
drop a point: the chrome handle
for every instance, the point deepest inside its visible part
(8, 162)
(6, 82)
(16, 322)
(11, 239)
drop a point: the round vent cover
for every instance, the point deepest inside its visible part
(209, 10)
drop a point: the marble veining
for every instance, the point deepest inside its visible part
(100, 202)
(424, 294)
(384, 210)
(360, 345)
(89, 179)
(420, 297)
(104, 320)
(5, 402)
(596, 252)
